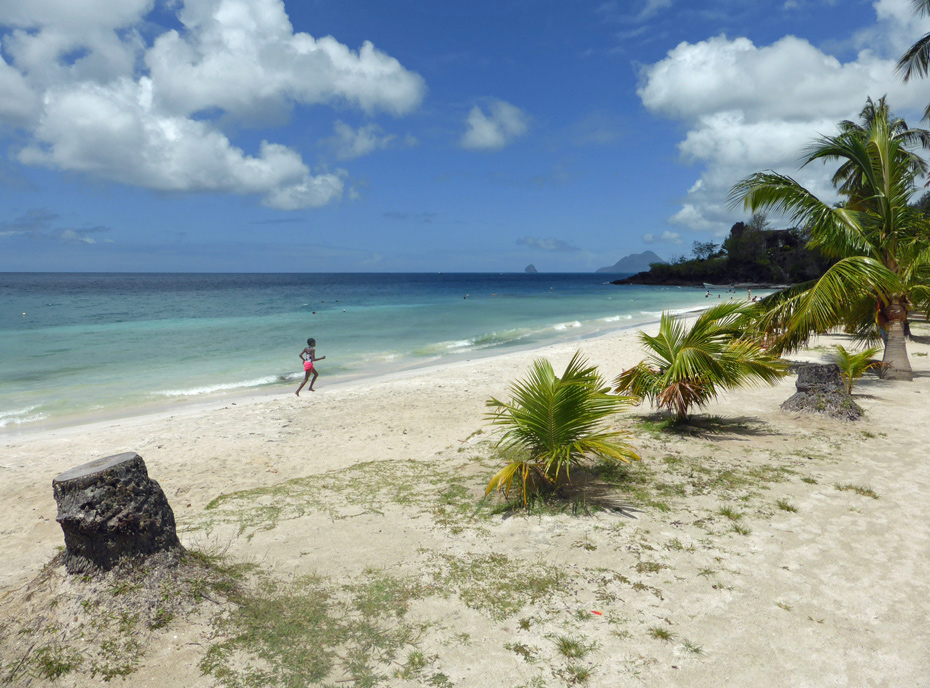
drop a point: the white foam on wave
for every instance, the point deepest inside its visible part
(616, 318)
(212, 389)
(482, 341)
(670, 311)
(460, 344)
(561, 327)
(20, 416)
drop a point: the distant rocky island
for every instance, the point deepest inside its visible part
(530, 269)
(635, 262)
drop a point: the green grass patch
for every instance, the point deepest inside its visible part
(528, 653)
(494, 583)
(730, 513)
(660, 633)
(863, 490)
(573, 648)
(649, 567)
(451, 495)
(51, 662)
(785, 505)
(99, 629)
(309, 629)
(691, 647)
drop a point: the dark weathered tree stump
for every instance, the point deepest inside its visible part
(821, 390)
(110, 510)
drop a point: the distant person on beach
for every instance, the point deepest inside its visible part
(308, 356)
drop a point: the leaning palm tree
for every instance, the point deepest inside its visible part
(880, 244)
(689, 366)
(552, 424)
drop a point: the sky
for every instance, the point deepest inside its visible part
(415, 136)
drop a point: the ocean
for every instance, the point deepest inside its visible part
(77, 347)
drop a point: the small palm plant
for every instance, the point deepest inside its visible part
(552, 424)
(688, 366)
(853, 365)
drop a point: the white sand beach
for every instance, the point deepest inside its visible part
(766, 549)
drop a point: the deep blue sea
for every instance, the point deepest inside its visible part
(79, 346)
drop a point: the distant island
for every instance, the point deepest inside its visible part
(530, 269)
(635, 262)
(751, 255)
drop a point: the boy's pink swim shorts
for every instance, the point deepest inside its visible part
(308, 365)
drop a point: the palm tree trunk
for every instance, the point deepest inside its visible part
(895, 363)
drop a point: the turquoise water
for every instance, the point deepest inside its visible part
(74, 346)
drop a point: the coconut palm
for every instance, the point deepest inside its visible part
(853, 365)
(553, 423)
(848, 178)
(880, 244)
(689, 366)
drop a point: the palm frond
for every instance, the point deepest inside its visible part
(916, 61)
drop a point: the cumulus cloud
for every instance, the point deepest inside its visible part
(243, 55)
(665, 238)
(93, 97)
(348, 143)
(494, 129)
(551, 245)
(748, 108)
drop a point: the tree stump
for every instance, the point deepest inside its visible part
(820, 389)
(110, 510)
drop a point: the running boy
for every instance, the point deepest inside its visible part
(308, 356)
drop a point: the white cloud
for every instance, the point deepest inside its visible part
(91, 96)
(498, 128)
(749, 108)
(653, 7)
(551, 245)
(243, 56)
(665, 238)
(348, 143)
(39, 224)
(113, 132)
(19, 103)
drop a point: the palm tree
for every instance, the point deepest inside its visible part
(688, 367)
(853, 365)
(848, 178)
(553, 423)
(916, 61)
(881, 245)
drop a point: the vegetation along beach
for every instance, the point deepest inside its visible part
(671, 469)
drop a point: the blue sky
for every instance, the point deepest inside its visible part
(269, 136)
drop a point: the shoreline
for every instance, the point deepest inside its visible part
(182, 406)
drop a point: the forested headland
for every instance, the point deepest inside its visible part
(751, 254)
